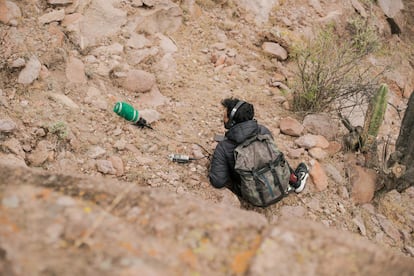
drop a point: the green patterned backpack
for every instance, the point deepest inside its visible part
(263, 170)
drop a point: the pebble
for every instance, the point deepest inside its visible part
(65, 201)
(11, 202)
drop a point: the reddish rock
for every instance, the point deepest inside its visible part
(221, 59)
(57, 35)
(55, 15)
(321, 124)
(318, 153)
(138, 81)
(333, 148)
(309, 141)
(118, 165)
(275, 49)
(319, 177)
(40, 154)
(9, 12)
(290, 127)
(30, 72)
(75, 70)
(295, 153)
(71, 19)
(3, 12)
(105, 167)
(363, 184)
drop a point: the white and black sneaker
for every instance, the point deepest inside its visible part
(302, 174)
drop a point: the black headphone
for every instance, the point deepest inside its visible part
(230, 123)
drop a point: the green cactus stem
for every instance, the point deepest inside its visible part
(373, 121)
(379, 106)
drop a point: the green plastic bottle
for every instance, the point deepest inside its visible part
(126, 111)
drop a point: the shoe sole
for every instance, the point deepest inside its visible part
(302, 186)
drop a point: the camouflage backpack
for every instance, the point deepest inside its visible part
(263, 170)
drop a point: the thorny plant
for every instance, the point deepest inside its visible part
(331, 73)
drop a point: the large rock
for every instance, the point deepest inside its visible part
(259, 8)
(55, 15)
(395, 18)
(391, 7)
(30, 72)
(137, 81)
(322, 124)
(162, 18)
(363, 184)
(155, 232)
(41, 153)
(309, 141)
(319, 177)
(166, 68)
(9, 12)
(75, 70)
(300, 247)
(291, 126)
(359, 8)
(100, 20)
(7, 125)
(393, 204)
(274, 49)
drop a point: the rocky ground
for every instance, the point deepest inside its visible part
(78, 180)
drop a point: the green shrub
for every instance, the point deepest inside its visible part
(331, 73)
(59, 129)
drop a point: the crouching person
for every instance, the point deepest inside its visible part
(248, 162)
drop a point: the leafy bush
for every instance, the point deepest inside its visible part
(331, 74)
(59, 129)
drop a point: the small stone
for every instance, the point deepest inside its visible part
(7, 125)
(96, 152)
(308, 141)
(389, 228)
(13, 145)
(56, 15)
(60, 2)
(75, 71)
(138, 81)
(317, 153)
(295, 153)
(219, 46)
(105, 167)
(65, 201)
(360, 224)
(30, 72)
(275, 49)
(54, 232)
(118, 165)
(410, 250)
(10, 202)
(20, 62)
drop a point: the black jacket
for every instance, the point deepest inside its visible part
(222, 173)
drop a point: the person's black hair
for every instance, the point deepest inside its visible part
(244, 113)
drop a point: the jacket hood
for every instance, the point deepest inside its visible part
(241, 131)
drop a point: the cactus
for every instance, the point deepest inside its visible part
(376, 112)
(373, 121)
